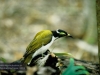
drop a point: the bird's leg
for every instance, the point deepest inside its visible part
(34, 60)
(43, 60)
(46, 53)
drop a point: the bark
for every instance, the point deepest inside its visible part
(98, 25)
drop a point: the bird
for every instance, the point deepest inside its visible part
(41, 43)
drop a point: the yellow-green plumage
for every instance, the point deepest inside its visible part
(42, 38)
(40, 45)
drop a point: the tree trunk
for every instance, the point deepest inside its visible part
(98, 25)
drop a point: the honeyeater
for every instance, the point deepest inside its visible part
(41, 43)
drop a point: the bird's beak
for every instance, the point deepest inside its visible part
(70, 36)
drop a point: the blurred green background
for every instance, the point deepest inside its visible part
(20, 20)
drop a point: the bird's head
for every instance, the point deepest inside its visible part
(60, 33)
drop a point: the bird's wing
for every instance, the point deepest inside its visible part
(41, 38)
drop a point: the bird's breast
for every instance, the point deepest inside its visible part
(44, 48)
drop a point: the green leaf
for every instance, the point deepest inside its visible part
(3, 60)
(64, 54)
(75, 70)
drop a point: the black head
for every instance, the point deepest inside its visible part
(60, 33)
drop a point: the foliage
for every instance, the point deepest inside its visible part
(74, 70)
